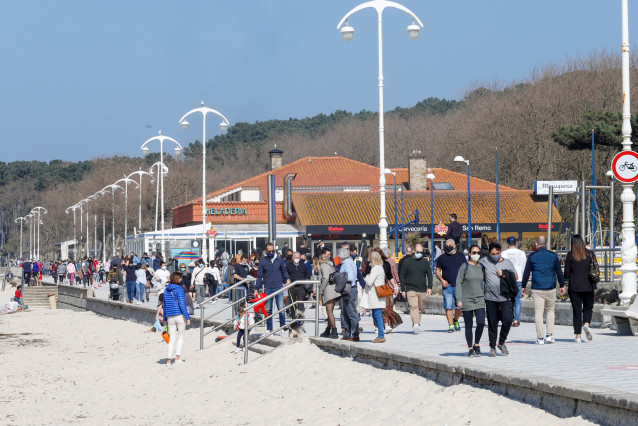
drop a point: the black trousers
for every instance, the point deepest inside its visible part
(468, 318)
(298, 293)
(582, 307)
(499, 311)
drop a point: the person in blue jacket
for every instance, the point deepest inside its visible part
(176, 316)
(271, 276)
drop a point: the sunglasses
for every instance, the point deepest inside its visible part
(475, 252)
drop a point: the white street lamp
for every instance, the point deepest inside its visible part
(112, 187)
(347, 32)
(38, 211)
(126, 181)
(30, 219)
(152, 172)
(141, 172)
(223, 126)
(75, 243)
(22, 220)
(460, 159)
(178, 150)
(628, 250)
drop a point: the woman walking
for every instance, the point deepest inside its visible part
(329, 296)
(176, 316)
(580, 289)
(369, 299)
(471, 299)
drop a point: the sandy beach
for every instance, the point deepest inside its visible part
(70, 367)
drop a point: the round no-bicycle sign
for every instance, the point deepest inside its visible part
(625, 166)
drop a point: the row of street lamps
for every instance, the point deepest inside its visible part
(34, 218)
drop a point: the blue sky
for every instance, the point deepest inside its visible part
(85, 79)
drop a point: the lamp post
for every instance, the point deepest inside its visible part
(223, 126)
(140, 172)
(178, 150)
(126, 181)
(396, 213)
(29, 219)
(38, 210)
(460, 159)
(430, 176)
(347, 32)
(22, 220)
(112, 187)
(164, 173)
(75, 244)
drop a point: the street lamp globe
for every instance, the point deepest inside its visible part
(413, 31)
(609, 173)
(178, 151)
(145, 150)
(459, 159)
(223, 126)
(347, 32)
(184, 124)
(430, 176)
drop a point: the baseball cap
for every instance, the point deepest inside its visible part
(511, 240)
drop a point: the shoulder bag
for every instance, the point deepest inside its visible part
(594, 271)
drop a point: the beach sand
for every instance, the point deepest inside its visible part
(77, 367)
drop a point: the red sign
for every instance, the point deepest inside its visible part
(211, 232)
(625, 166)
(335, 229)
(440, 229)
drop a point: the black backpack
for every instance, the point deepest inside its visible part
(340, 280)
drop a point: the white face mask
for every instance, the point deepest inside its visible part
(164, 267)
(475, 257)
(295, 260)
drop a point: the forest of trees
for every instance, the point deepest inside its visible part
(541, 126)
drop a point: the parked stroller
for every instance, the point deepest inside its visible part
(114, 291)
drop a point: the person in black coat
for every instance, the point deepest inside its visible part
(580, 289)
(298, 272)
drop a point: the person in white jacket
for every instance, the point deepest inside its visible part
(369, 299)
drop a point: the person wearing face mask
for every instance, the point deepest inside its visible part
(297, 271)
(271, 275)
(519, 260)
(471, 299)
(416, 283)
(498, 306)
(241, 272)
(447, 269)
(199, 273)
(161, 277)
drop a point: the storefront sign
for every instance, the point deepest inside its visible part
(440, 229)
(342, 229)
(541, 187)
(226, 211)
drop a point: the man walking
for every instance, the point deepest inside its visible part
(271, 275)
(518, 259)
(350, 318)
(454, 232)
(447, 268)
(416, 284)
(198, 275)
(499, 306)
(297, 271)
(545, 268)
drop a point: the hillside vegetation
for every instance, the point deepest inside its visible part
(541, 127)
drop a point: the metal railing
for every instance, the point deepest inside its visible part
(250, 307)
(236, 286)
(607, 264)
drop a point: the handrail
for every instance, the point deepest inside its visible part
(202, 319)
(248, 327)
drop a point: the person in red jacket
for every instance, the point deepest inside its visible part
(18, 296)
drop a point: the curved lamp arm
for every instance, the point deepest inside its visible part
(379, 6)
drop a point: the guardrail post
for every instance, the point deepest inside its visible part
(246, 330)
(201, 327)
(316, 309)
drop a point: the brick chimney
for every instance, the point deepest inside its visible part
(417, 167)
(275, 158)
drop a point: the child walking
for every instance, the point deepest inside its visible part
(240, 323)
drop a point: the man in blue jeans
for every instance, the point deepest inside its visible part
(349, 316)
(130, 280)
(447, 268)
(271, 276)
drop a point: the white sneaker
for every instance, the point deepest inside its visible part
(387, 329)
(587, 332)
(179, 361)
(416, 329)
(577, 340)
(237, 350)
(540, 341)
(549, 339)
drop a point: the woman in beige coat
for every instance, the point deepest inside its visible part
(369, 300)
(329, 296)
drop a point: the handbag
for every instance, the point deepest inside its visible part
(594, 271)
(384, 290)
(165, 334)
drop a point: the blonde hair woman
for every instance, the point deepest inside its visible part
(369, 300)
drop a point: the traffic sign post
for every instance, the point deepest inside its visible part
(625, 166)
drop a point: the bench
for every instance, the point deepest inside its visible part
(626, 320)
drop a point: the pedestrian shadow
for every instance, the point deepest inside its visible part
(455, 354)
(163, 361)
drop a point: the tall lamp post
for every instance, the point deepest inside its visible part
(112, 187)
(38, 210)
(178, 149)
(627, 196)
(460, 159)
(75, 243)
(347, 32)
(22, 220)
(223, 126)
(126, 181)
(139, 173)
(30, 220)
(430, 176)
(396, 213)
(152, 172)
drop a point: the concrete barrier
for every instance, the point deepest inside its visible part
(434, 306)
(559, 397)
